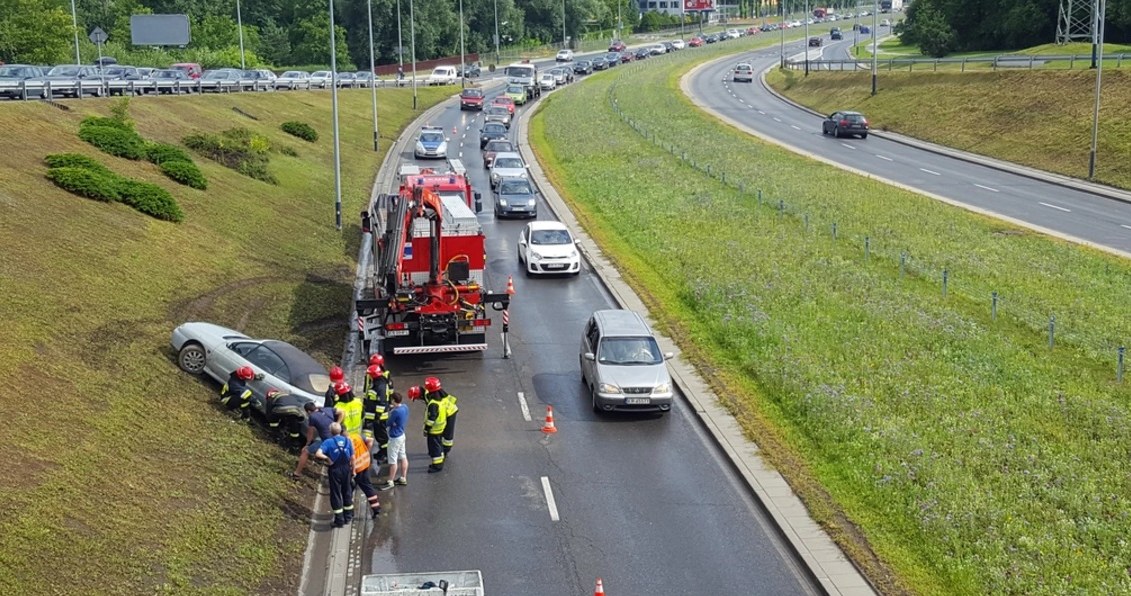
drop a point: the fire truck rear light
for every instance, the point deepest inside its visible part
(396, 326)
(481, 322)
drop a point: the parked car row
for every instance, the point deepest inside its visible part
(24, 81)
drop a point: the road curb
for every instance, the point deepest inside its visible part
(823, 561)
(1099, 190)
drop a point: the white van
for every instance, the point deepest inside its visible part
(443, 75)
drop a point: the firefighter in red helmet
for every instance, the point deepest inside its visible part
(377, 392)
(235, 394)
(353, 411)
(435, 423)
(337, 375)
(433, 387)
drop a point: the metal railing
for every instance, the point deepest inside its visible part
(1005, 61)
(33, 89)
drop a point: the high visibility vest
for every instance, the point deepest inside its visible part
(450, 401)
(353, 414)
(361, 457)
(436, 426)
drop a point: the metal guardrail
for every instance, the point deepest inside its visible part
(30, 90)
(1005, 61)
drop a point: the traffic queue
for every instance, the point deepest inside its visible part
(353, 435)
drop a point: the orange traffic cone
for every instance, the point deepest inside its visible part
(510, 286)
(600, 588)
(455, 131)
(549, 427)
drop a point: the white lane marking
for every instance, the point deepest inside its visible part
(795, 127)
(1058, 207)
(776, 119)
(550, 503)
(761, 112)
(931, 172)
(1125, 226)
(525, 408)
(740, 100)
(987, 188)
(884, 157)
(847, 145)
(461, 154)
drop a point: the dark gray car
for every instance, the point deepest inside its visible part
(839, 124)
(515, 197)
(491, 130)
(497, 114)
(12, 74)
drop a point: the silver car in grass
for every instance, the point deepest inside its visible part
(622, 365)
(216, 351)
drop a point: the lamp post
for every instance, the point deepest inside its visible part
(239, 25)
(75, 22)
(412, 40)
(497, 57)
(400, 42)
(563, 26)
(334, 112)
(781, 28)
(875, 48)
(373, 76)
(462, 58)
(1099, 27)
(806, 37)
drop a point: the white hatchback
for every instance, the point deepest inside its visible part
(548, 247)
(564, 56)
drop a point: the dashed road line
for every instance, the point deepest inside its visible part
(761, 112)
(931, 172)
(776, 119)
(550, 503)
(525, 408)
(884, 157)
(847, 145)
(991, 189)
(1057, 207)
(795, 127)
(1125, 226)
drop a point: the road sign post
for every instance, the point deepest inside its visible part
(99, 37)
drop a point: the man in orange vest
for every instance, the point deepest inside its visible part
(361, 461)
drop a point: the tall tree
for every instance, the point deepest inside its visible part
(34, 31)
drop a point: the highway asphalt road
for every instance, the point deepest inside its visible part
(644, 502)
(1075, 213)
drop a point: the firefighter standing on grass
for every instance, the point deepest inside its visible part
(286, 413)
(435, 420)
(235, 394)
(436, 392)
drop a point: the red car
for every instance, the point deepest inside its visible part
(503, 100)
(627, 56)
(617, 46)
(695, 42)
(193, 69)
(471, 99)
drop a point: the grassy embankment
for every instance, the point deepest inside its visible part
(948, 453)
(1036, 118)
(120, 476)
(891, 48)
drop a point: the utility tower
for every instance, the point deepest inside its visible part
(1076, 21)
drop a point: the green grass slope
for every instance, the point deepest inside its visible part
(1041, 119)
(120, 475)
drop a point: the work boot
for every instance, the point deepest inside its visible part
(339, 521)
(349, 517)
(376, 511)
(434, 468)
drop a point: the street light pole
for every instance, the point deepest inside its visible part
(563, 26)
(462, 57)
(239, 25)
(806, 37)
(334, 112)
(75, 22)
(497, 57)
(373, 76)
(1101, 14)
(781, 28)
(400, 42)
(412, 40)
(875, 46)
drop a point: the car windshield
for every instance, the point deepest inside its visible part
(472, 93)
(66, 71)
(15, 71)
(629, 351)
(321, 73)
(513, 163)
(550, 237)
(515, 187)
(169, 74)
(515, 89)
(431, 137)
(292, 75)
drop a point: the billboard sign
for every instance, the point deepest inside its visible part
(698, 5)
(159, 30)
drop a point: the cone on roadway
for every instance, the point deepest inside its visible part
(600, 591)
(455, 131)
(549, 427)
(510, 285)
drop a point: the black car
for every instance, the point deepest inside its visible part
(515, 197)
(711, 38)
(669, 46)
(643, 53)
(845, 123)
(836, 34)
(599, 63)
(815, 42)
(167, 81)
(491, 130)
(469, 71)
(612, 58)
(583, 67)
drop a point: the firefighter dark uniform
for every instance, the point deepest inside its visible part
(339, 450)
(378, 388)
(285, 414)
(436, 391)
(435, 420)
(235, 394)
(352, 409)
(337, 375)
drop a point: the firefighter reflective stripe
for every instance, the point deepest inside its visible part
(245, 399)
(352, 416)
(437, 417)
(361, 457)
(451, 404)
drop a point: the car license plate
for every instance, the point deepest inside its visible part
(399, 333)
(637, 401)
(555, 266)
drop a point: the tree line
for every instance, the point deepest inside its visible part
(296, 32)
(942, 27)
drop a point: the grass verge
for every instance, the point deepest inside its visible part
(120, 475)
(1041, 119)
(947, 451)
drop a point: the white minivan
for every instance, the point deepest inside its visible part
(443, 75)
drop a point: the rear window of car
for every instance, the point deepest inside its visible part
(854, 117)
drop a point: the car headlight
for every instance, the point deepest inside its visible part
(530, 203)
(535, 255)
(419, 147)
(607, 388)
(573, 254)
(662, 388)
(502, 202)
(494, 177)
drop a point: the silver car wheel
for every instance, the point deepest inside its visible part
(192, 358)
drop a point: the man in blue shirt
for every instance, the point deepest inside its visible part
(318, 421)
(337, 451)
(398, 456)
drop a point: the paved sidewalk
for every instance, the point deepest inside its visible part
(824, 559)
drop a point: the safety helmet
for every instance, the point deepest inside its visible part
(414, 393)
(337, 374)
(432, 384)
(377, 359)
(374, 371)
(245, 373)
(273, 393)
(342, 388)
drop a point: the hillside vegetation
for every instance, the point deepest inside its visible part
(1041, 119)
(120, 474)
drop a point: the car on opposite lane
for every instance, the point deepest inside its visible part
(564, 56)
(743, 72)
(843, 123)
(490, 131)
(515, 197)
(205, 348)
(548, 247)
(617, 46)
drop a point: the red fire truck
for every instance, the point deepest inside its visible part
(425, 290)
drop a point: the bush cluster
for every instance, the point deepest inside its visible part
(114, 140)
(301, 130)
(160, 153)
(176, 164)
(238, 149)
(86, 177)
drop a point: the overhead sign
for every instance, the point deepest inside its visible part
(98, 36)
(159, 30)
(698, 5)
